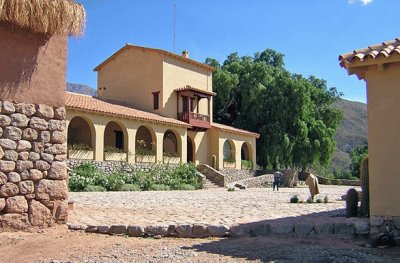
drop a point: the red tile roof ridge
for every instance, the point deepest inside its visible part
(97, 105)
(385, 49)
(165, 52)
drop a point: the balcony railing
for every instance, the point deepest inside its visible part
(197, 120)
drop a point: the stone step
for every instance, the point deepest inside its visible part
(323, 227)
(207, 184)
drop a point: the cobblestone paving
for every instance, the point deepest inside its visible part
(216, 207)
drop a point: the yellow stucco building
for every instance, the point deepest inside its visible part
(379, 66)
(154, 106)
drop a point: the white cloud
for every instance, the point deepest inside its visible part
(363, 2)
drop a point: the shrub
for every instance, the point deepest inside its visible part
(326, 200)
(310, 200)
(79, 147)
(319, 201)
(94, 188)
(294, 199)
(83, 175)
(171, 154)
(247, 164)
(231, 189)
(130, 187)
(113, 149)
(230, 160)
(115, 181)
(159, 187)
(186, 187)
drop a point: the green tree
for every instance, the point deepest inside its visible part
(293, 114)
(357, 155)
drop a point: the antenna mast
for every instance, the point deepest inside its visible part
(174, 27)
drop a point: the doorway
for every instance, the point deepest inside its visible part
(190, 150)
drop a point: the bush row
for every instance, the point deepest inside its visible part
(87, 177)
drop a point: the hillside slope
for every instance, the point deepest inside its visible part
(80, 88)
(351, 132)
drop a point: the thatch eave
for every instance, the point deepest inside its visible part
(45, 16)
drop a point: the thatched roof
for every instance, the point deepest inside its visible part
(45, 16)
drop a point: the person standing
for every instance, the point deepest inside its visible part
(277, 180)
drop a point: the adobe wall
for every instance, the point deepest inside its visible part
(383, 139)
(33, 171)
(32, 66)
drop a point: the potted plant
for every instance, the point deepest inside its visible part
(80, 151)
(144, 153)
(112, 153)
(230, 163)
(171, 157)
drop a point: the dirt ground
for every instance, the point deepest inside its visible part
(62, 245)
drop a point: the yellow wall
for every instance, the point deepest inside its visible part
(132, 77)
(217, 139)
(129, 127)
(383, 94)
(178, 74)
(136, 73)
(200, 140)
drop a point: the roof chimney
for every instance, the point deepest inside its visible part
(185, 54)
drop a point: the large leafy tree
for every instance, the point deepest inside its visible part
(293, 114)
(357, 155)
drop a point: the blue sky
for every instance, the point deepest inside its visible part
(311, 33)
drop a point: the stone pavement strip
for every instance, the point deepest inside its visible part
(215, 212)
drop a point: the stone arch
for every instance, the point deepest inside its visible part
(246, 151)
(228, 150)
(246, 154)
(116, 136)
(146, 141)
(81, 131)
(172, 143)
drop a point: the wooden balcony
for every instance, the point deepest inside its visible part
(198, 121)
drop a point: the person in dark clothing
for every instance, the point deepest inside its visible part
(277, 180)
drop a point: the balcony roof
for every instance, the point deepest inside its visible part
(195, 90)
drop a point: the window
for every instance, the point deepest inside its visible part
(156, 100)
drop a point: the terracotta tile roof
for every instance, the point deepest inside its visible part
(234, 130)
(371, 53)
(188, 87)
(91, 104)
(160, 51)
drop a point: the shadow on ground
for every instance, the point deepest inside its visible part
(260, 242)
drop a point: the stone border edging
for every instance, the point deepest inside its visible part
(349, 227)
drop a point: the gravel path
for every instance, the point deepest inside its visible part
(216, 207)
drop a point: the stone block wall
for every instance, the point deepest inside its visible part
(33, 171)
(385, 224)
(234, 175)
(112, 166)
(255, 182)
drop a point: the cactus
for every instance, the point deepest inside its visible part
(364, 176)
(351, 203)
